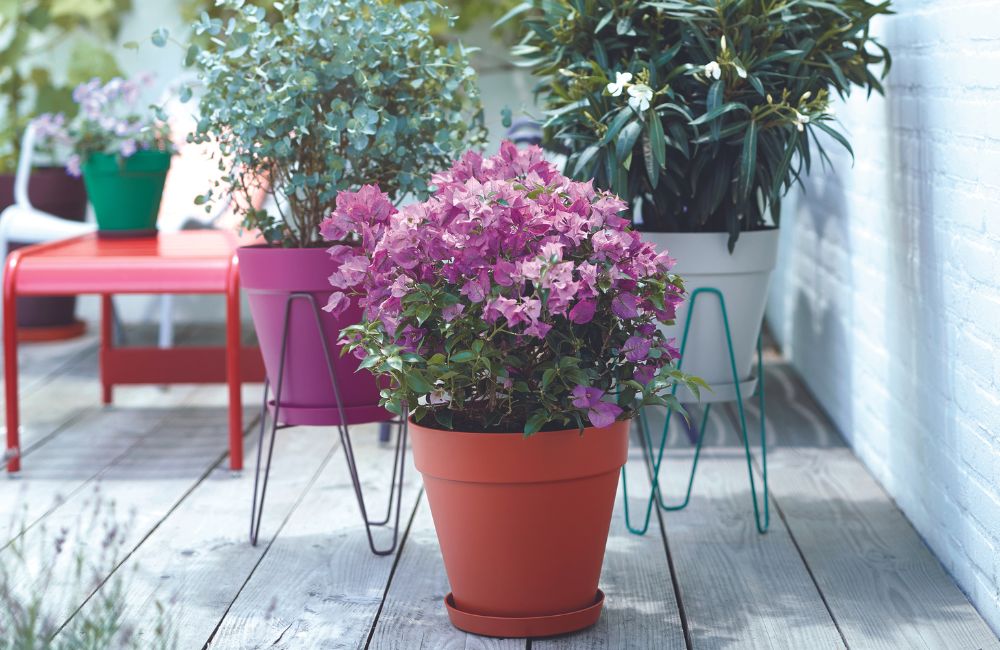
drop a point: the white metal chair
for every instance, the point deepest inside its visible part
(23, 222)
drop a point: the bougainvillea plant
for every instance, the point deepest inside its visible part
(112, 118)
(702, 112)
(512, 299)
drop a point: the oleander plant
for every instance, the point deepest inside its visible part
(512, 299)
(700, 114)
(307, 98)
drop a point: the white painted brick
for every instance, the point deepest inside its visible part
(889, 278)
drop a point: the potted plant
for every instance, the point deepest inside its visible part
(122, 151)
(307, 99)
(28, 88)
(515, 315)
(701, 115)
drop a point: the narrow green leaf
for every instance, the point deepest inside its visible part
(720, 110)
(836, 135)
(626, 139)
(657, 139)
(516, 11)
(748, 159)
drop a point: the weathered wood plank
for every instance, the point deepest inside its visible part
(413, 614)
(319, 586)
(198, 558)
(149, 480)
(641, 608)
(883, 585)
(739, 589)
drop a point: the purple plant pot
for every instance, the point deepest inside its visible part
(269, 275)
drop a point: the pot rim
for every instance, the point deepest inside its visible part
(546, 456)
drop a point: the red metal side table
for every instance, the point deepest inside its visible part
(196, 262)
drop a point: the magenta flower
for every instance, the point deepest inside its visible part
(583, 312)
(625, 305)
(515, 271)
(637, 348)
(600, 413)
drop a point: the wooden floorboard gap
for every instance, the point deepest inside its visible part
(395, 564)
(270, 542)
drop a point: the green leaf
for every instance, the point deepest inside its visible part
(444, 417)
(418, 383)
(423, 312)
(718, 111)
(657, 139)
(748, 159)
(836, 135)
(626, 139)
(516, 11)
(463, 356)
(535, 423)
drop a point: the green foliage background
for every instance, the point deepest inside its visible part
(28, 83)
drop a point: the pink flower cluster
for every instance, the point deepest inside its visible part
(524, 248)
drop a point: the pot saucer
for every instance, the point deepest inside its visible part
(525, 626)
(45, 333)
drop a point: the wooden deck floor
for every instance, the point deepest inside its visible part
(840, 566)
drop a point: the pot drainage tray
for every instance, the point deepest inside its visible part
(525, 626)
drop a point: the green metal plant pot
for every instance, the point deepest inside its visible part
(126, 192)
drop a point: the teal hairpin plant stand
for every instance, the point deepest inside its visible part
(654, 455)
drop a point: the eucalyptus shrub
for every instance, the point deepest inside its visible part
(310, 97)
(702, 113)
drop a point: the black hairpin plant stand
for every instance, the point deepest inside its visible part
(392, 510)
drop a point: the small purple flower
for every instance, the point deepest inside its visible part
(451, 312)
(625, 305)
(74, 166)
(583, 312)
(636, 348)
(600, 413)
(128, 148)
(644, 374)
(337, 303)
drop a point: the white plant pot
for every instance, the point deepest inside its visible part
(743, 278)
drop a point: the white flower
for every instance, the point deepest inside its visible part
(622, 80)
(740, 71)
(806, 95)
(722, 41)
(639, 97)
(713, 70)
(801, 121)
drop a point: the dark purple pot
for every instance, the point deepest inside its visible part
(52, 190)
(269, 275)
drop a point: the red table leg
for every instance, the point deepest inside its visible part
(107, 342)
(233, 366)
(10, 361)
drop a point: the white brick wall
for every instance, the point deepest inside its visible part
(887, 295)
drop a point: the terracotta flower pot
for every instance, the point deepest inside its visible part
(269, 275)
(522, 523)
